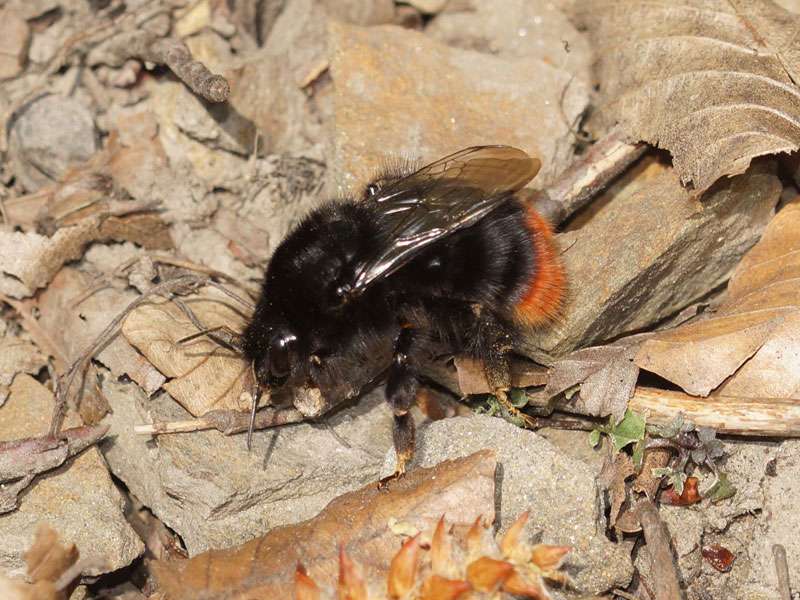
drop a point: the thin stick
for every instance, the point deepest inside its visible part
(226, 421)
(782, 571)
(665, 576)
(581, 182)
(173, 53)
(768, 417)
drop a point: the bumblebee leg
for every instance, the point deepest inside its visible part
(496, 346)
(402, 386)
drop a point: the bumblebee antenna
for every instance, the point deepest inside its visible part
(230, 339)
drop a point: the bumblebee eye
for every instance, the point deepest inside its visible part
(280, 350)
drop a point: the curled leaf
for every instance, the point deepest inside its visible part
(715, 83)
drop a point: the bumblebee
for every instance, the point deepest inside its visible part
(442, 257)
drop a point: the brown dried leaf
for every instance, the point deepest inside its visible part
(749, 347)
(203, 375)
(603, 376)
(712, 81)
(18, 356)
(47, 559)
(48, 562)
(612, 478)
(72, 318)
(690, 494)
(459, 489)
(29, 261)
(719, 557)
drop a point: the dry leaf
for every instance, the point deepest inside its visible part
(690, 494)
(612, 477)
(18, 356)
(264, 567)
(51, 568)
(603, 376)
(749, 348)
(203, 375)
(72, 319)
(29, 261)
(719, 557)
(712, 81)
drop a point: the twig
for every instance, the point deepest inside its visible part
(665, 576)
(174, 54)
(23, 459)
(581, 182)
(225, 421)
(770, 417)
(624, 594)
(782, 571)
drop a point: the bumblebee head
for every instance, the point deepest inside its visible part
(273, 352)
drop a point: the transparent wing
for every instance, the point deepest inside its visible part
(441, 198)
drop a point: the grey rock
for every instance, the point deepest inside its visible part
(648, 249)
(47, 137)
(215, 494)
(399, 94)
(517, 28)
(534, 475)
(78, 500)
(778, 523)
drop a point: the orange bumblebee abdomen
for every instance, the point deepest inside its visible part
(542, 301)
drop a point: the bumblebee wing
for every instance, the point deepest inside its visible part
(439, 199)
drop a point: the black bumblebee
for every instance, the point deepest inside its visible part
(442, 257)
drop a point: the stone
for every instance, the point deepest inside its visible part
(559, 491)
(647, 249)
(78, 500)
(48, 136)
(778, 523)
(517, 28)
(400, 94)
(15, 35)
(214, 494)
